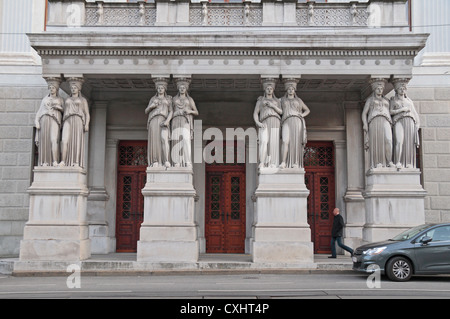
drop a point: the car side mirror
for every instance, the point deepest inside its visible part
(425, 240)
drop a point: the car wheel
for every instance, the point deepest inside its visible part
(399, 269)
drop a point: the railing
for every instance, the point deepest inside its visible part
(376, 13)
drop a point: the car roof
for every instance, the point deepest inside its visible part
(437, 224)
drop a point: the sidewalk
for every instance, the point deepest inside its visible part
(126, 264)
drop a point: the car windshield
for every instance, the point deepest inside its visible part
(410, 233)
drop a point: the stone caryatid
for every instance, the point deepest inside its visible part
(377, 126)
(75, 124)
(293, 127)
(159, 112)
(48, 125)
(267, 116)
(406, 124)
(184, 110)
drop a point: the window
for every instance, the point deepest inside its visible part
(439, 234)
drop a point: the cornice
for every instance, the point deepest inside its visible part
(227, 44)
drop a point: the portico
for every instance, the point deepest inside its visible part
(226, 66)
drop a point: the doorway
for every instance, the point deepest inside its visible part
(319, 179)
(131, 179)
(225, 210)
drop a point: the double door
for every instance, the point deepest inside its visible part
(225, 210)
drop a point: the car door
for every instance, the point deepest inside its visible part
(435, 255)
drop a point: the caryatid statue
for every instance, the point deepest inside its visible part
(158, 125)
(267, 116)
(184, 110)
(293, 126)
(48, 125)
(377, 126)
(406, 124)
(75, 124)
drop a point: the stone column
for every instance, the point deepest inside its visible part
(354, 201)
(57, 227)
(98, 196)
(169, 232)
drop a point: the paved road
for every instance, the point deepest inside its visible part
(257, 286)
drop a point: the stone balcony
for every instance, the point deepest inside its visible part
(249, 13)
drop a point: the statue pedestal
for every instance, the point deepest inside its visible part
(395, 201)
(168, 233)
(281, 231)
(57, 228)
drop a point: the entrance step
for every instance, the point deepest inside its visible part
(126, 264)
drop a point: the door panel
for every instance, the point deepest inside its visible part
(435, 256)
(319, 179)
(225, 211)
(131, 179)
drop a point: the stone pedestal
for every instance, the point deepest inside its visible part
(281, 231)
(57, 228)
(395, 201)
(168, 233)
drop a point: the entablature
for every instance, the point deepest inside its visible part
(252, 52)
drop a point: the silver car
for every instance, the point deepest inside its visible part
(422, 250)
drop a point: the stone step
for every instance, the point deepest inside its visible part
(126, 264)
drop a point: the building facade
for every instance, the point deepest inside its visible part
(210, 191)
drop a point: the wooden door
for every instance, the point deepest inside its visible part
(225, 210)
(131, 179)
(319, 179)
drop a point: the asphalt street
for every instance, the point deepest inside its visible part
(343, 285)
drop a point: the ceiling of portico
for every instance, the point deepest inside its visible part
(225, 83)
(226, 100)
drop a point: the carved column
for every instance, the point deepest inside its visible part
(57, 227)
(169, 232)
(281, 233)
(394, 197)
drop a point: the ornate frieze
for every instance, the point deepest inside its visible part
(245, 14)
(112, 14)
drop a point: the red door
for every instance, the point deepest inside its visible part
(131, 179)
(319, 179)
(225, 210)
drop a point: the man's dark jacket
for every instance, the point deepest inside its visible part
(338, 225)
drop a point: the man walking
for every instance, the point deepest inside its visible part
(336, 234)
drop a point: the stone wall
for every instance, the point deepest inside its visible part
(433, 105)
(18, 106)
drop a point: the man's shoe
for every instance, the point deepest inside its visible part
(332, 257)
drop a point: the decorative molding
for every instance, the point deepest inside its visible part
(336, 54)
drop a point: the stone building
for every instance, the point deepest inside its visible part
(119, 55)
